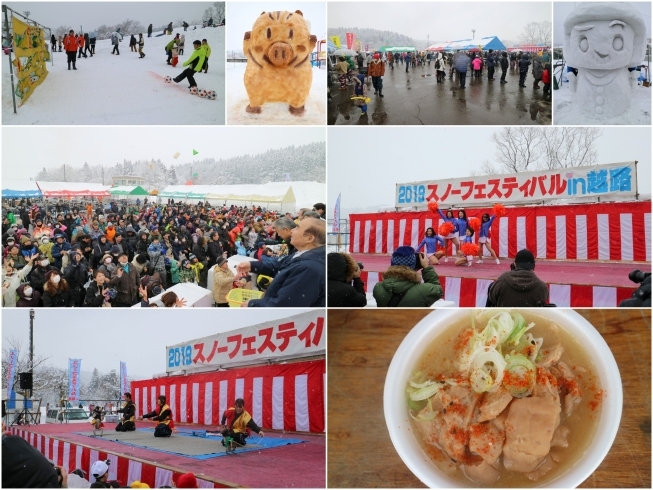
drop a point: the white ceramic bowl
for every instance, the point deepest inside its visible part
(421, 336)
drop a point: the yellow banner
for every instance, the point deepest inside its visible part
(336, 40)
(30, 57)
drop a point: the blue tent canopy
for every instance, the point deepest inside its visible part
(484, 44)
(20, 188)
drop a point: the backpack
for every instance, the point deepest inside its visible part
(114, 39)
(437, 64)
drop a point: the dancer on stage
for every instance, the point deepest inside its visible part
(163, 415)
(484, 237)
(129, 410)
(465, 257)
(461, 226)
(453, 236)
(430, 241)
(237, 423)
(98, 416)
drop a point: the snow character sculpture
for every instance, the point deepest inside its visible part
(602, 40)
(278, 50)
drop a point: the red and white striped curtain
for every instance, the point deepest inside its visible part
(283, 397)
(618, 231)
(72, 456)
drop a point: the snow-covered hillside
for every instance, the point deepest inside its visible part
(123, 90)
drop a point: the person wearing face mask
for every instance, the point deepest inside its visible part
(97, 293)
(28, 297)
(39, 230)
(76, 275)
(125, 280)
(45, 248)
(11, 280)
(108, 264)
(11, 241)
(40, 268)
(55, 292)
(28, 249)
(100, 248)
(110, 232)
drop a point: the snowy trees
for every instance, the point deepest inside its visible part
(524, 148)
(536, 33)
(219, 9)
(61, 31)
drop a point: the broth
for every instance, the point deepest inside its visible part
(583, 422)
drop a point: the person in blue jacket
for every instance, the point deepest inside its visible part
(484, 237)
(299, 279)
(461, 226)
(59, 249)
(462, 62)
(430, 241)
(453, 236)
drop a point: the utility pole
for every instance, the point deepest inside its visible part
(428, 43)
(473, 32)
(31, 347)
(102, 174)
(64, 172)
(191, 172)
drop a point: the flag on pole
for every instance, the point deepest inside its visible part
(124, 386)
(11, 372)
(74, 379)
(336, 216)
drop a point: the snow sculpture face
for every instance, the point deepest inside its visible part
(601, 45)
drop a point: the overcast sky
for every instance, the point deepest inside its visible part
(91, 15)
(365, 167)
(137, 337)
(446, 21)
(109, 145)
(242, 16)
(562, 9)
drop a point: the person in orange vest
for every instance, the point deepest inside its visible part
(70, 45)
(80, 43)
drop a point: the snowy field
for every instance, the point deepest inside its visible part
(108, 89)
(639, 111)
(275, 112)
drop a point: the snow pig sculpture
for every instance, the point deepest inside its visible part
(603, 40)
(278, 50)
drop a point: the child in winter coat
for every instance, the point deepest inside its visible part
(546, 79)
(196, 266)
(476, 64)
(174, 271)
(141, 43)
(207, 53)
(186, 273)
(175, 56)
(46, 248)
(360, 94)
(182, 41)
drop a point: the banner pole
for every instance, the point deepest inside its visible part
(11, 51)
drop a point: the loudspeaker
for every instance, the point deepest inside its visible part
(25, 381)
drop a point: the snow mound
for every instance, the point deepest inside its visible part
(639, 111)
(275, 112)
(109, 89)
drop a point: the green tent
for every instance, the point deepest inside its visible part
(128, 190)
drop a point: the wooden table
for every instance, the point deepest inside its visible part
(360, 347)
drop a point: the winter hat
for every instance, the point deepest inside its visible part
(221, 261)
(11, 231)
(404, 256)
(191, 257)
(106, 256)
(525, 260)
(187, 262)
(99, 469)
(187, 480)
(138, 484)
(115, 250)
(25, 467)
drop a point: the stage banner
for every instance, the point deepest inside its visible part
(295, 336)
(30, 57)
(124, 385)
(612, 180)
(11, 370)
(336, 216)
(74, 379)
(336, 41)
(350, 40)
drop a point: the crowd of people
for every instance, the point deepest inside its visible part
(94, 255)
(357, 70)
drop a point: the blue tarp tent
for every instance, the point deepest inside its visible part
(20, 188)
(331, 47)
(483, 44)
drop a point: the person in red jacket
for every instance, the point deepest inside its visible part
(546, 78)
(80, 43)
(70, 45)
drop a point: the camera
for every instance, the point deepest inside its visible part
(112, 293)
(638, 276)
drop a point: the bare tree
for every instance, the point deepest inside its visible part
(208, 13)
(219, 11)
(569, 146)
(22, 363)
(517, 148)
(536, 33)
(62, 30)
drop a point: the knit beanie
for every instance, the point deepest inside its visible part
(404, 256)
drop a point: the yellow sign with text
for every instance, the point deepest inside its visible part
(335, 40)
(30, 57)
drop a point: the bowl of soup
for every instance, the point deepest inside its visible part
(503, 398)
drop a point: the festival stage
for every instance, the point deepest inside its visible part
(280, 459)
(571, 283)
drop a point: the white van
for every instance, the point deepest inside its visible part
(66, 415)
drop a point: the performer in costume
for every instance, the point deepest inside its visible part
(453, 236)
(461, 225)
(237, 423)
(430, 241)
(163, 415)
(129, 410)
(463, 257)
(98, 416)
(484, 237)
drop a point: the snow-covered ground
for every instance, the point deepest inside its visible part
(639, 111)
(108, 89)
(276, 112)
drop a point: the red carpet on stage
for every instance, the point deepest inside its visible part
(299, 465)
(574, 284)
